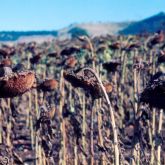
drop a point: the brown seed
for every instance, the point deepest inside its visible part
(71, 62)
(108, 87)
(115, 46)
(6, 62)
(48, 85)
(16, 84)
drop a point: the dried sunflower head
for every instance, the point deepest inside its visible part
(154, 93)
(53, 54)
(84, 79)
(7, 51)
(111, 66)
(115, 46)
(70, 50)
(48, 85)
(108, 87)
(71, 62)
(161, 57)
(157, 39)
(35, 59)
(16, 84)
(6, 62)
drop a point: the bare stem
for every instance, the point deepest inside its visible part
(62, 125)
(159, 129)
(115, 138)
(91, 135)
(153, 134)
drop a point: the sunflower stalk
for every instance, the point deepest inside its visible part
(83, 126)
(114, 128)
(91, 133)
(153, 135)
(62, 124)
(99, 119)
(101, 142)
(159, 130)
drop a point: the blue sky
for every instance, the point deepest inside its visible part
(56, 14)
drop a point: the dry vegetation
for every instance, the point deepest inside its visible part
(83, 101)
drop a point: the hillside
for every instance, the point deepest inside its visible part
(15, 35)
(150, 25)
(95, 29)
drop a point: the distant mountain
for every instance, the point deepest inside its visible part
(15, 35)
(95, 29)
(150, 25)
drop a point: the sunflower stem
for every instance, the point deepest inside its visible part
(159, 130)
(115, 137)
